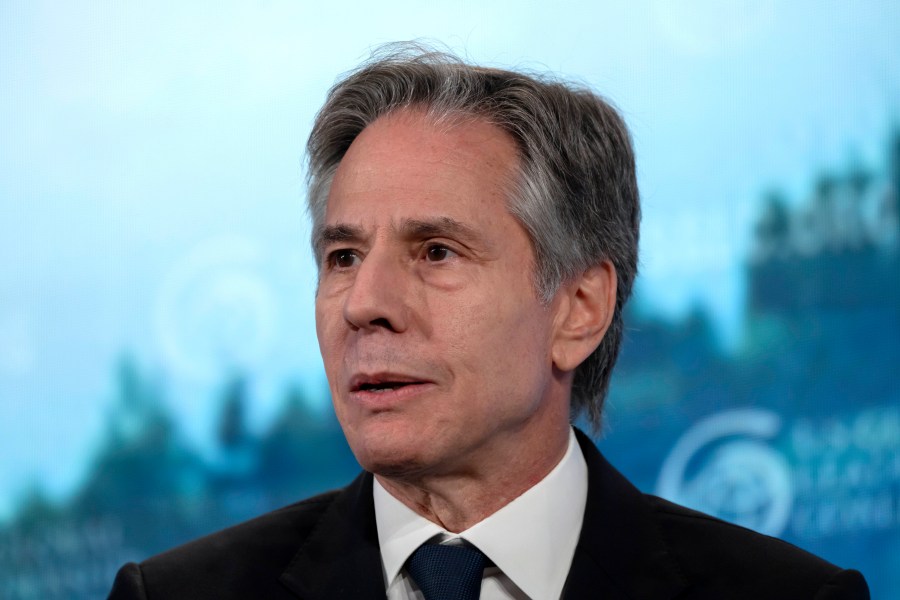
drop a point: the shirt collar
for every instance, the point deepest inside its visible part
(532, 539)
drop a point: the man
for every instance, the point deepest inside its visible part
(476, 235)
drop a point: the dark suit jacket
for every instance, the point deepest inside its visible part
(631, 546)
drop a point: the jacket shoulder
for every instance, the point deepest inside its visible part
(272, 532)
(224, 563)
(721, 557)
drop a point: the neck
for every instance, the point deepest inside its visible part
(458, 500)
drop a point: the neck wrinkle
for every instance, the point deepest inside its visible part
(458, 503)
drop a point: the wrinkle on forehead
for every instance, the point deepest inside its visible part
(458, 138)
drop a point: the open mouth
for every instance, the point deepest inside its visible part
(383, 386)
(382, 383)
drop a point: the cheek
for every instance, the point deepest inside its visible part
(329, 340)
(501, 344)
(322, 336)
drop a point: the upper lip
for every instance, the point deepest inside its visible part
(361, 380)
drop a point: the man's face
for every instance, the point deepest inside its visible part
(437, 350)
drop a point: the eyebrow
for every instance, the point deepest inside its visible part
(437, 227)
(414, 229)
(336, 234)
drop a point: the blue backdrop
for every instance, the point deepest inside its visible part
(159, 373)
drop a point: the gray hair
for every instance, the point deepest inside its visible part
(576, 193)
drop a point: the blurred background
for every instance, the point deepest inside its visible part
(159, 371)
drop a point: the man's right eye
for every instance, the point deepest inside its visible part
(342, 259)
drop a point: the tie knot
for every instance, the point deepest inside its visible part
(445, 572)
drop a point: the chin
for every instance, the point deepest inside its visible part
(390, 456)
(395, 445)
(393, 465)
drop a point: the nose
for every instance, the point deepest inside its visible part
(377, 298)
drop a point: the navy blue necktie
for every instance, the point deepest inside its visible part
(445, 572)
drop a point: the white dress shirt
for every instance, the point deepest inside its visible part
(531, 540)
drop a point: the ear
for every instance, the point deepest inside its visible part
(585, 314)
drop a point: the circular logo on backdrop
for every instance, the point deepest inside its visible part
(723, 466)
(215, 310)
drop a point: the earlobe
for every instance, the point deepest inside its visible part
(587, 314)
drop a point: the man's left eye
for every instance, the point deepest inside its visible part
(438, 253)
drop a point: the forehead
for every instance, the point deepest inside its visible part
(407, 162)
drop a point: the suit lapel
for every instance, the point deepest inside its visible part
(341, 558)
(621, 553)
